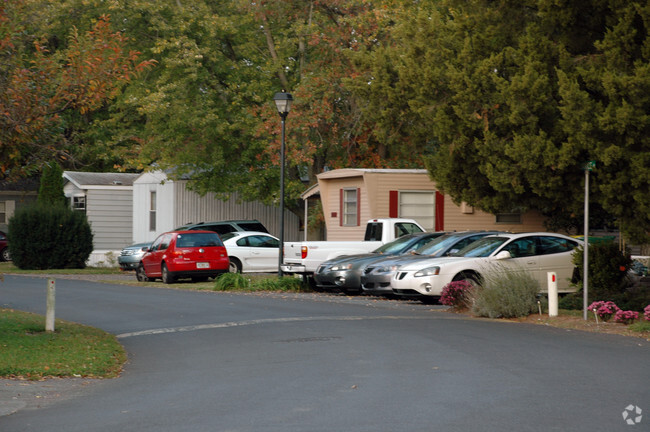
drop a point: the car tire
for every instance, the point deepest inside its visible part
(234, 266)
(167, 276)
(471, 277)
(140, 274)
(4, 255)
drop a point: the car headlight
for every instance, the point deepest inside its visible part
(429, 271)
(387, 269)
(339, 267)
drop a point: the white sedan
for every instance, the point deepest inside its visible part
(251, 251)
(538, 253)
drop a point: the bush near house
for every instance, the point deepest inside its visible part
(49, 237)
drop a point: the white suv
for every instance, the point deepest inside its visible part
(538, 253)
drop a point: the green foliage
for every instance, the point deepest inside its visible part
(508, 100)
(51, 189)
(231, 282)
(640, 326)
(72, 350)
(49, 237)
(239, 282)
(506, 294)
(572, 301)
(290, 284)
(608, 267)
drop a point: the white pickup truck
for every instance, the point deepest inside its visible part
(305, 257)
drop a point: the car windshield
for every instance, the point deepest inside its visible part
(394, 246)
(483, 247)
(198, 240)
(437, 245)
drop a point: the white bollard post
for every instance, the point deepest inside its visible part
(552, 294)
(49, 316)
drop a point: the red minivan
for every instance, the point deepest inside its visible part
(198, 255)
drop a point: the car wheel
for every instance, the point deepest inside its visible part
(234, 266)
(4, 255)
(470, 277)
(167, 276)
(140, 275)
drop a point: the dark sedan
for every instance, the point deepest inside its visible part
(344, 273)
(376, 274)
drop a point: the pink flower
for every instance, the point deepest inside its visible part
(604, 309)
(646, 313)
(626, 317)
(455, 294)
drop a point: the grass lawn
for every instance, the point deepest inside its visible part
(28, 351)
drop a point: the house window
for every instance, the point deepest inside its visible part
(3, 212)
(79, 203)
(508, 218)
(152, 211)
(418, 205)
(350, 207)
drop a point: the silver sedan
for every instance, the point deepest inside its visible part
(344, 273)
(377, 274)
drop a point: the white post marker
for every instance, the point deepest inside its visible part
(49, 316)
(552, 294)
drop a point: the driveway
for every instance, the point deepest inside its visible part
(208, 361)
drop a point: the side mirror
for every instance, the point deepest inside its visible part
(503, 255)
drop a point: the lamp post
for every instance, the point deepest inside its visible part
(283, 103)
(585, 257)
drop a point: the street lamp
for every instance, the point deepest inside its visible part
(283, 103)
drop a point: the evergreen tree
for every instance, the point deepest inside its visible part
(50, 192)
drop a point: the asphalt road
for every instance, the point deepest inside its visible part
(206, 361)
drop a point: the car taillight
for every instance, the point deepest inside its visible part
(303, 252)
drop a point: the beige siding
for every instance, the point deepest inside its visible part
(380, 184)
(456, 219)
(375, 187)
(332, 204)
(110, 213)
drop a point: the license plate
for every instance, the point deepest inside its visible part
(202, 265)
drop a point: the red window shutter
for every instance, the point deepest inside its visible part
(440, 212)
(341, 207)
(393, 204)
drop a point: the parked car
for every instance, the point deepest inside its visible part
(184, 254)
(252, 251)
(222, 227)
(377, 274)
(4, 247)
(344, 273)
(538, 253)
(131, 256)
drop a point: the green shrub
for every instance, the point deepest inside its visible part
(231, 282)
(506, 293)
(51, 189)
(607, 270)
(49, 237)
(278, 284)
(608, 279)
(573, 301)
